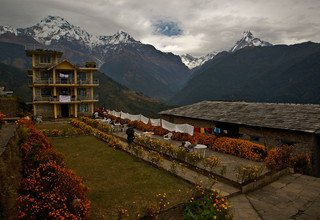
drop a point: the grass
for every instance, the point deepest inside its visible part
(61, 125)
(117, 179)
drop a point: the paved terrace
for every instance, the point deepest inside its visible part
(293, 196)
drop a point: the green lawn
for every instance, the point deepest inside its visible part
(61, 125)
(117, 179)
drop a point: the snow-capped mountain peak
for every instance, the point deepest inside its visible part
(192, 62)
(54, 28)
(121, 37)
(8, 29)
(249, 40)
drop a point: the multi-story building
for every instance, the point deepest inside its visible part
(60, 88)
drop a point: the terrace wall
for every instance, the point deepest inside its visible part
(10, 168)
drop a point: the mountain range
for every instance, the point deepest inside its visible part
(138, 66)
(279, 73)
(251, 70)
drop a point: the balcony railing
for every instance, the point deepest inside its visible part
(62, 99)
(64, 81)
(88, 97)
(88, 82)
(43, 99)
(49, 81)
(46, 81)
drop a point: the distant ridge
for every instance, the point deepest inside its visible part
(138, 66)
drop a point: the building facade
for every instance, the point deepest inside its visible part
(61, 89)
(270, 124)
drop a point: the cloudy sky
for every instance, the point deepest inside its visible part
(196, 27)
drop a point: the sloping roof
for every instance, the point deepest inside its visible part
(63, 61)
(299, 117)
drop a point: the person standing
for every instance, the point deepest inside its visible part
(130, 134)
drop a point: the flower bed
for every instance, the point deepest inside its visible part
(212, 206)
(48, 189)
(233, 146)
(240, 148)
(156, 149)
(62, 132)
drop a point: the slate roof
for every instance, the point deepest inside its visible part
(298, 117)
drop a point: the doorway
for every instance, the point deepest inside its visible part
(64, 110)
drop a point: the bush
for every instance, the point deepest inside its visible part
(248, 173)
(302, 163)
(212, 206)
(240, 148)
(279, 158)
(48, 190)
(212, 162)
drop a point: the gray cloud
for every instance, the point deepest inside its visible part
(207, 25)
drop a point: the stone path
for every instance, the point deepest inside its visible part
(294, 196)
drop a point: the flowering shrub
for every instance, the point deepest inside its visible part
(63, 133)
(181, 136)
(83, 126)
(48, 190)
(207, 139)
(2, 116)
(248, 173)
(155, 157)
(212, 162)
(279, 157)
(212, 206)
(240, 148)
(302, 163)
(193, 157)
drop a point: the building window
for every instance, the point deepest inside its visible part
(82, 77)
(64, 91)
(288, 142)
(82, 92)
(255, 138)
(45, 59)
(83, 108)
(45, 92)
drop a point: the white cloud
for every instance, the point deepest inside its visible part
(207, 25)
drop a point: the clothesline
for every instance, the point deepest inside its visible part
(182, 128)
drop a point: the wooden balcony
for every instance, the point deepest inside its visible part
(62, 82)
(65, 99)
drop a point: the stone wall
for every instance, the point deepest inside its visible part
(194, 122)
(10, 169)
(46, 110)
(274, 137)
(9, 106)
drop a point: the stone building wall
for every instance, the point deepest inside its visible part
(10, 168)
(9, 106)
(269, 137)
(194, 122)
(46, 110)
(275, 137)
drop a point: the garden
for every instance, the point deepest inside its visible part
(117, 181)
(83, 177)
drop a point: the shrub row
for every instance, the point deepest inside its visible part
(233, 146)
(48, 190)
(276, 159)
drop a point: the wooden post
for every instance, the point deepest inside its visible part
(55, 110)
